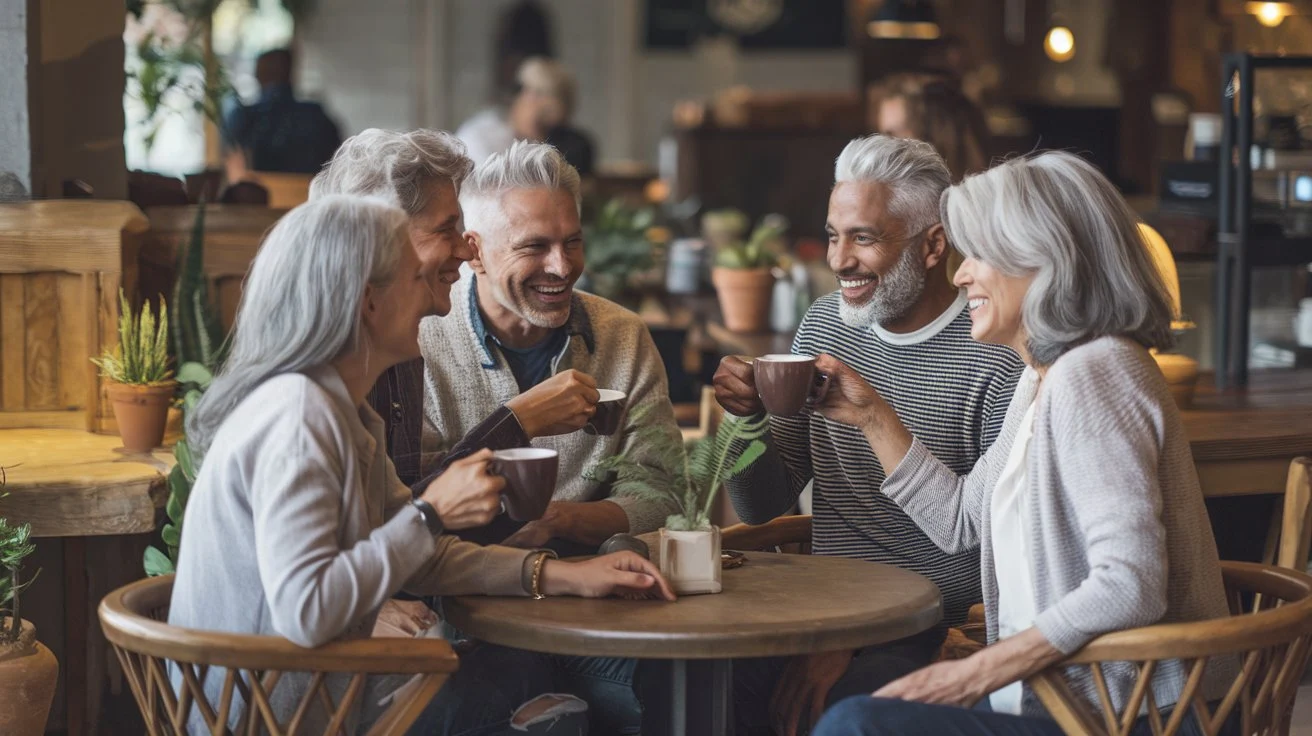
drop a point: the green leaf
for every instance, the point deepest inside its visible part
(156, 563)
(194, 372)
(171, 535)
(753, 452)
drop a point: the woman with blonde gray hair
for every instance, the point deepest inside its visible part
(298, 525)
(1087, 508)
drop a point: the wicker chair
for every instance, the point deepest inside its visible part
(1269, 631)
(133, 620)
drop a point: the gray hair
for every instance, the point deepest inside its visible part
(1056, 216)
(549, 77)
(523, 166)
(912, 169)
(396, 167)
(300, 306)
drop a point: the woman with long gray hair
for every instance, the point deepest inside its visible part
(298, 526)
(1086, 509)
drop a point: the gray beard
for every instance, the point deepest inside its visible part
(896, 293)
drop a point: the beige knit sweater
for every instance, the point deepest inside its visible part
(464, 381)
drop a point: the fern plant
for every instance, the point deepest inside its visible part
(15, 545)
(141, 357)
(703, 466)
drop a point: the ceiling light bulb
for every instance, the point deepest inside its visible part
(1059, 44)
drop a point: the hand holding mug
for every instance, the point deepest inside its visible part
(850, 399)
(465, 495)
(559, 405)
(735, 387)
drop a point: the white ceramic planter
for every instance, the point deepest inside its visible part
(690, 561)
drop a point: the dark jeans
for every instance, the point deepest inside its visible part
(607, 685)
(867, 716)
(482, 696)
(754, 680)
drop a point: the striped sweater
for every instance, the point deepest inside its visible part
(952, 393)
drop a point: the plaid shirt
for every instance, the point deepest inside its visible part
(398, 397)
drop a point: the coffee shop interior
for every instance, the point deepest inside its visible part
(636, 365)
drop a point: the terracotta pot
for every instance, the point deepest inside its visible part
(690, 561)
(744, 297)
(141, 413)
(1181, 373)
(27, 684)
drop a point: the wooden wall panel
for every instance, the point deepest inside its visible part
(13, 341)
(75, 368)
(228, 291)
(41, 315)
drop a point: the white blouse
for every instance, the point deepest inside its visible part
(1009, 517)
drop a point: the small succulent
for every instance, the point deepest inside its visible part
(142, 354)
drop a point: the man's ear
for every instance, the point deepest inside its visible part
(475, 242)
(936, 246)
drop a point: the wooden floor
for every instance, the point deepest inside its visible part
(1302, 722)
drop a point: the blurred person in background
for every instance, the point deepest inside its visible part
(278, 132)
(934, 110)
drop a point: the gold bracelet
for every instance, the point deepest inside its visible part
(536, 588)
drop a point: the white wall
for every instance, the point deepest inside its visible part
(405, 63)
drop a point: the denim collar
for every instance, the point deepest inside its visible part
(579, 324)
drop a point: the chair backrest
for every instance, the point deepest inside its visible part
(1268, 631)
(785, 534)
(1296, 528)
(133, 618)
(285, 190)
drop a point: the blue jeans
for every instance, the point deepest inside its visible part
(867, 716)
(606, 683)
(481, 697)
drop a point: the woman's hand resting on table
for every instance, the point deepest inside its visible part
(622, 573)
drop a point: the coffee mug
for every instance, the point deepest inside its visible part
(622, 541)
(610, 410)
(788, 384)
(530, 474)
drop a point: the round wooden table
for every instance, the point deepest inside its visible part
(774, 605)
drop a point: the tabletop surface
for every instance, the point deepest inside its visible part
(67, 483)
(775, 604)
(1271, 417)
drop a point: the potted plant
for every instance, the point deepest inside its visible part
(689, 543)
(622, 246)
(743, 274)
(27, 668)
(141, 382)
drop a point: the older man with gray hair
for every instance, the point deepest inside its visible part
(900, 323)
(517, 323)
(421, 171)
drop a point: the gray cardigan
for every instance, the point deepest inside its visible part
(1121, 536)
(298, 527)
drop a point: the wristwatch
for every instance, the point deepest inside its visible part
(429, 514)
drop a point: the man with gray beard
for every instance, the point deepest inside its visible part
(898, 321)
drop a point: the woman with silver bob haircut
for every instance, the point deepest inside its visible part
(1086, 510)
(298, 526)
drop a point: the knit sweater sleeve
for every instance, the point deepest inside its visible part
(1107, 428)
(950, 508)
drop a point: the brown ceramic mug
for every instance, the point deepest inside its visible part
(788, 384)
(530, 474)
(610, 410)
